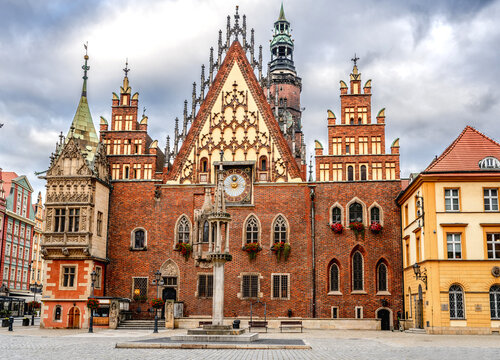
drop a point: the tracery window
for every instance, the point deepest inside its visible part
(183, 230)
(355, 212)
(280, 230)
(252, 230)
(495, 302)
(456, 297)
(336, 215)
(357, 271)
(375, 215)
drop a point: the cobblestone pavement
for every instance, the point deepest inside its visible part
(24, 343)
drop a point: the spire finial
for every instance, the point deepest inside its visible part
(355, 59)
(85, 68)
(282, 13)
(144, 111)
(126, 70)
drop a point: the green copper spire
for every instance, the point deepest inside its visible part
(282, 13)
(282, 44)
(82, 127)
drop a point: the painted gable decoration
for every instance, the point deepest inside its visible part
(236, 118)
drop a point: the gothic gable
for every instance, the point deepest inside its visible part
(70, 162)
(235, 117)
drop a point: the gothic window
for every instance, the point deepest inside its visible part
(336, 215)
(139, 239)
(382, 277)
(456, 297)
(375, 215)
(183, 230)
(252, 230)
(57, 313)
(350, 173)
(334, 277)
(357, 271)
(495, 302)
(280, 230)
(263, 163)
(355, 212)
(206, 232)
(363, 172)
(205, 285)
(204, 165)
(250, 286)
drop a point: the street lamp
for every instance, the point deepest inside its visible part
(34, 288)
(93, 277)
(157, 280)
(420, 275)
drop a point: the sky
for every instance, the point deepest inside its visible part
(433, 65)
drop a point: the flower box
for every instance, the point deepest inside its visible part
(337, 228)
(252, 249)
(185, 249)
(281, 250)
(375, 227)
(357, 228)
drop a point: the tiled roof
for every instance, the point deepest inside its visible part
(464, 154)
(7, 177)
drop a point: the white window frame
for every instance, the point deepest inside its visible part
(449, 195)
(490, 200)
(333, 308)
(358, 312)
(454, 242)
(495, 242)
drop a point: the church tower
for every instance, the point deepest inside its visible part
(284, 87)
(74, 241)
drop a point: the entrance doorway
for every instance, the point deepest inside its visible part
(74, 318)
(419, 309)
(385, 319)
(168, 293)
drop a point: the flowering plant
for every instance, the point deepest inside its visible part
(337, 228)
(34, 304)
(92, 303)
(252, 249)
(185, 249)
(157, 303)
(375, 227)
(281, 249)
(358, 228)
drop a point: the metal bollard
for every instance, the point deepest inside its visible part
(11, 323)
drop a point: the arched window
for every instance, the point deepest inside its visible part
(334, 277)
(252, 230)
(355, 212)
(263, 163)
(350, 173)
(375, 215)
(456, 302)
(357, 271)
(363, 172)
(382, 277)
(126, 172)
(204, 165)
(206, 232)
(139, 239)
(280, 230)
(57, 313)
(495, 302)
(183, 230)
(336, 215)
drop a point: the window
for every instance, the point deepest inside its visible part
(493, 244)
(454, 246)
(335, 312)
(280, 286)
(490, 199)
(74, 220)
(358, 312)
(336, 146)
(252, 230)
(375, 215)
(170, 280)
(99, 223)
(336, 215)
(204, 165)
(98, 272)
(495, 302)
(376, 145)
(357, 271)
(263, 163)
(140, 287)
(139, 239)
(362, 172)
(6, 273)
(334, 278)
(59, 219)
(456, 302)
(390, 171)
(376, 171)
(355, 212)
(183, 230)
(68, 279)
(349, 115)
(206, 232)
(382, 277)
(148, 171)
(418, 249)
(115, 172)
(57, 313)
(350, 173)
(363, 145)
(336, 172)
(126, 171)
(205, 285)
(349, 145)
(280, 230)
(250, 286)
(451, 200)
(7, 249)
(324, 172)
(489, 162)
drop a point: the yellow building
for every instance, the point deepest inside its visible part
(451, 239)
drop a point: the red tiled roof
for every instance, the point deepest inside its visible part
(465, 152)
(7, 177)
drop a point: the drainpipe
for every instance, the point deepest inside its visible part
(401, 258)
(105, 290)
(312, 195)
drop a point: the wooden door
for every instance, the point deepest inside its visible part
(74, 318)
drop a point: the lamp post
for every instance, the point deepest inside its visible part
(157, 280)
(420, 275)
(93, 277)
(34, 288)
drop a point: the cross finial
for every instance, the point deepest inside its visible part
(61, 137)
(126, 70)
(86, 57)
(355, 59)
(143, 111)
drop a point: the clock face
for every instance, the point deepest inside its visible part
(237, 185)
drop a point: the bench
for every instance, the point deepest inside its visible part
(290, 324)
(257, 324)
(201, 323)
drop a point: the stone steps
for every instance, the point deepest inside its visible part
(140, 324)
(415, 331)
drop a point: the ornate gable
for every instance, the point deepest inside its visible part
(70, 161)
(236, 117)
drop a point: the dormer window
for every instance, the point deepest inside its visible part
(489, 162)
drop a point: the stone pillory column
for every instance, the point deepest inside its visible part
(219, 220)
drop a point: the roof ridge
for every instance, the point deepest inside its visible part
(447, 150)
